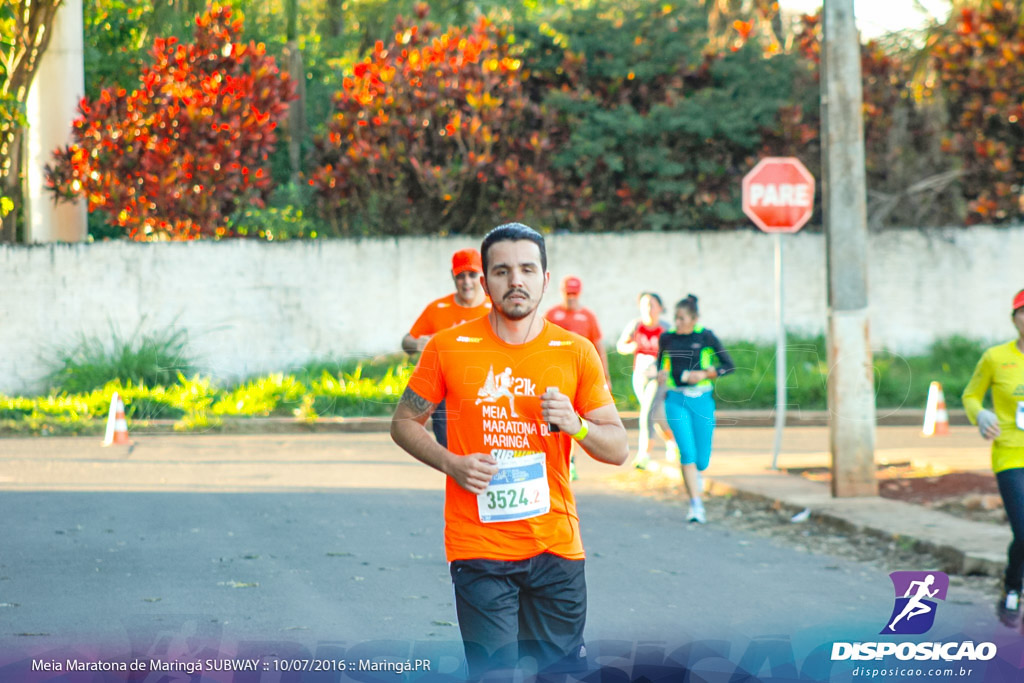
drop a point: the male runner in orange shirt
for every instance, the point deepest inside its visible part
(511, 528)
(469, 301)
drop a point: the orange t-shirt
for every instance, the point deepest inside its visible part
(582, 321)
(492, 392)
(443, 313)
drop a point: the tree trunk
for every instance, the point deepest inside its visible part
(33, 22)
(296, 109)
(335, 20)
(11, 185)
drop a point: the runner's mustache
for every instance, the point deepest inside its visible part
(511, 292)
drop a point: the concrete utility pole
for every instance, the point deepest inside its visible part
(851, 397)
(52, 106)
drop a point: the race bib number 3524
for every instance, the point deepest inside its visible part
(518, 491)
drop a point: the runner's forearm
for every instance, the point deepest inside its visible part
(408, 430)
(607, 443)
(411, 435)
(606, 439)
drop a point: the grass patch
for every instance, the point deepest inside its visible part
(152, 359)
(900, 381)
(371, 386)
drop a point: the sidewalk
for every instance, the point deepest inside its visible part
(367, 425)
(742, 466)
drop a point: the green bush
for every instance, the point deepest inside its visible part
(153, 359)
(352, 395)
(275, 395)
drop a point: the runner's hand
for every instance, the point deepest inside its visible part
(473, 472)
(988, 424)
(557, 410)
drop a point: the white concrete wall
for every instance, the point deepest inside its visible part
(252, 307)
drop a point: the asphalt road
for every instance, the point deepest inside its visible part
(330, 546)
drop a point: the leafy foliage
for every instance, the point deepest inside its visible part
(626, 114)
(909, 182)
(980, 66)
(653, 128)
(117, 32)
(173, 158)
(432, 133)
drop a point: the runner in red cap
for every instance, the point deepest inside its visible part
(1001, 369)
(573, 316)
(468, 302)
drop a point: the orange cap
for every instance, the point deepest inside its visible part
(572, 285)
(1018, 300)
(466, 259)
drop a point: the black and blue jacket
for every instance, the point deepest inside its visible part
(699, 350)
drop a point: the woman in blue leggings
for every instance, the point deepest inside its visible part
(690, 357)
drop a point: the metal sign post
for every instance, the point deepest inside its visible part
(780, 356)
(778, 196)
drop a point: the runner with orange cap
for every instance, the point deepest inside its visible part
(1001, 369)
(469, 301)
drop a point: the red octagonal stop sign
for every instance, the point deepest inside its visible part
(778, 194)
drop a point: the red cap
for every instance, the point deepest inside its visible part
(572, 285)
(1018, 300)
(466, 259)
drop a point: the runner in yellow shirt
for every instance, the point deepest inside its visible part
(1001, 369)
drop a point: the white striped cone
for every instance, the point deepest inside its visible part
(117, 425)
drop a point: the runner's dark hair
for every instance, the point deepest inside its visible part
(689, 303)
(514, 232)
(653, 296)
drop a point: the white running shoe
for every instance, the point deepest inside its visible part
(642, 461)
(696, 513)
(1008, 608)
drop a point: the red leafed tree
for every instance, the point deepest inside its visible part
(432, 133)
(173, 158)
(909, 183)
(979, 65)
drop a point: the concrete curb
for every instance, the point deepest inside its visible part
(964, 546)
(724, 418)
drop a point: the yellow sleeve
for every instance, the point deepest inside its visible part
(974, 392)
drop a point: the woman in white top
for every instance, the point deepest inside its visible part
(640, 339)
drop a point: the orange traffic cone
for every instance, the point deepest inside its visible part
(936, 417)
(117, 425)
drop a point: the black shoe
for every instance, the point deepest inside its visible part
(1008, 609)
